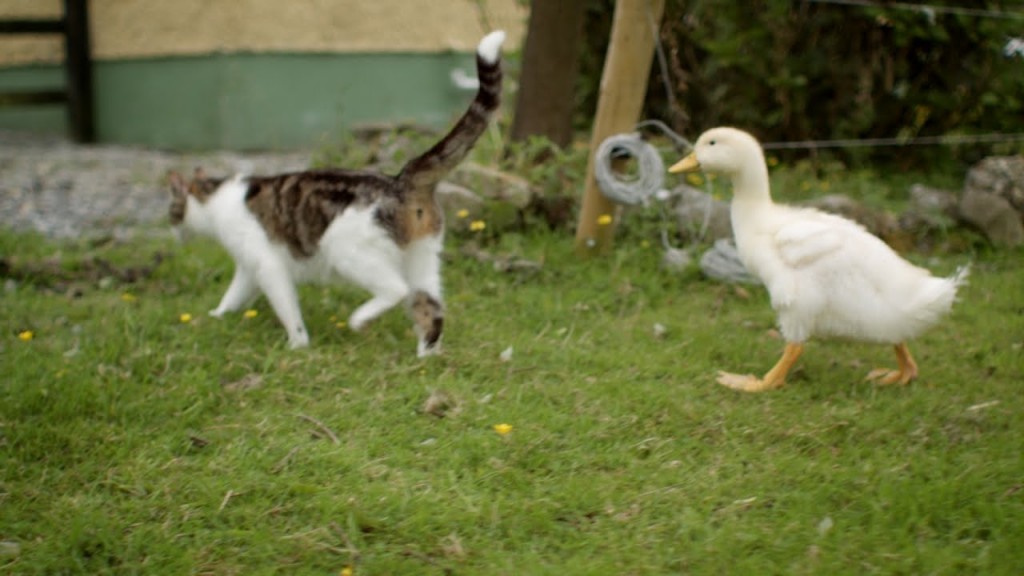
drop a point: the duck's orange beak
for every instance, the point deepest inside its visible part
(688, 164)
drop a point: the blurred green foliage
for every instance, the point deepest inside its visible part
(790, 70)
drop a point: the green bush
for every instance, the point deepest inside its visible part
(791, 70)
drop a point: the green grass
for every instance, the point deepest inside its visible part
(131, 442)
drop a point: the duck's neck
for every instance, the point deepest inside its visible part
(750, 185)
(751, 204)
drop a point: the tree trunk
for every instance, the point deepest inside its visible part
(544, 104)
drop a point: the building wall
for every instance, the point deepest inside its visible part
(258, 73)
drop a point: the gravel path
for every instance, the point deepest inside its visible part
(65, 190)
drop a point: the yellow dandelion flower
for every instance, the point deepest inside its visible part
(346, 571)
(340, 324)
(26, 335)
(477, 225)
(503, 429)
(462, 213)
(773, 161)
(185, 318)
(604, 219)
(695, 179)
(250, 313)
(128, 297)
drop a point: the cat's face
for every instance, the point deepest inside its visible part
(187, 196)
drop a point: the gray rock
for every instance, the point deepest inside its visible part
(925, 200)
(928, 215)
(994, 216)
(699, 214)
(722, 262)
(993, 199)
(493, 184)
(675, 259)
(878, 222)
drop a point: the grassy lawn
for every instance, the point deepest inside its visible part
(134, 442)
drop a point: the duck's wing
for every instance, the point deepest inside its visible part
(805, 241)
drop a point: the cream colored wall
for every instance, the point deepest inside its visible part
(124, 29)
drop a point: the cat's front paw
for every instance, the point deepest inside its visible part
(424, 350)
(298, 339)
(356, 323)
(217, 313)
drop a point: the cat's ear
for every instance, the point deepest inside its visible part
(179, 186)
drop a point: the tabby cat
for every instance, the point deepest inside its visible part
(383, 233)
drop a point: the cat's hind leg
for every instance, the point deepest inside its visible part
(423, 272)
(241, 290)
(428, 321)
(279, 288)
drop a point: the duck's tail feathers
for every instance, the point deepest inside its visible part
(934, 300)
(959, 278)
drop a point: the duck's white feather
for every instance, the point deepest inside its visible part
(809, 239)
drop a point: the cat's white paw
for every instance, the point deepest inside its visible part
(423, 351)
(217, 313)
(356, 322)
(298, 342)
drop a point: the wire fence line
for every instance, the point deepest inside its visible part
(929, 10)
(681, 143)
(948, 140)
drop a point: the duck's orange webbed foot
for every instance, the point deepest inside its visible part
(747, 382)
(906, 371)
(775, 378)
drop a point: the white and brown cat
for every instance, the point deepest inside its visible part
(383, 233)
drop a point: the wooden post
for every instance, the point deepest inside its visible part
(78, 64)
(77, 93)
(627, 68)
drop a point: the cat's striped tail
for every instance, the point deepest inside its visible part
(423, 172)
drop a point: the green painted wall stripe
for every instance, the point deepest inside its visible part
(251, 101)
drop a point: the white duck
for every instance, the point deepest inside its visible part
(827, 276)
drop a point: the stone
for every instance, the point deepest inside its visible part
(926, 200)
(676, 259)
(993, 199)
(878, 222)
(493, 184)
(454, 198)
(929, 216)
(722, 262)
(694, 208)
(994, 216)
